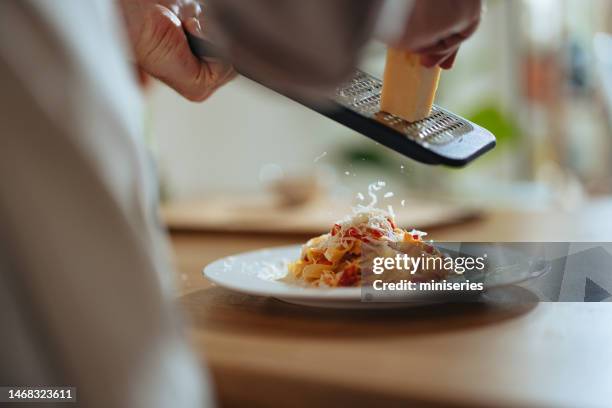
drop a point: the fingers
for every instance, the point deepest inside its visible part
(432, 21)
(449, 61)
(189, 10)
(162, 50)
(443, 46)
(219, 72)
(444, 52)
(431, 60)
(435, 55)
(436, 29)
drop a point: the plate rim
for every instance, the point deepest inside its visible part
(288, 291)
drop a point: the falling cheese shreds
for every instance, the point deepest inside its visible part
(319, 157)
(372, 189)
(388, 195)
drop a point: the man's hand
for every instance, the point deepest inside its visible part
(436, 28)
(156, 31)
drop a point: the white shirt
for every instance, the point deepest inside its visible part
(86, 293)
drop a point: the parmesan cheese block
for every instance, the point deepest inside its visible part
(408, 87)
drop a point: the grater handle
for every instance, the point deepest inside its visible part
(202, 47)
(205, 49)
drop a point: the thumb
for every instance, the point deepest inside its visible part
(162, 50)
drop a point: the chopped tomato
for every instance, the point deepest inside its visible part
(349, 277)
(392, 223)
(375, 233)
(354, 232)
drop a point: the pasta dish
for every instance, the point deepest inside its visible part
(343, 256)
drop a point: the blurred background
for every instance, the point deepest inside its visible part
(532, 75)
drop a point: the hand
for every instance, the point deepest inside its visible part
(436, 29)
(156, 32)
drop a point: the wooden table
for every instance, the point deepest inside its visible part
(263, 352)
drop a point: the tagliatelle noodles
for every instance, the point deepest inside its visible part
(338, 258)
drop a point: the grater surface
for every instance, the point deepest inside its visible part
(362, 95)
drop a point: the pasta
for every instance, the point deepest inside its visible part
(341, 257)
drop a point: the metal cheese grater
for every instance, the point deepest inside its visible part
(441, 138)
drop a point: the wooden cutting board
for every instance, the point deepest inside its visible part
(263, 214)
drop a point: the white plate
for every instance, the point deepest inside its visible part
(259, 273)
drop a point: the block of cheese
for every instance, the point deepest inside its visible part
(408, 87)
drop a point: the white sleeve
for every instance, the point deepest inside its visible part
(392, 20)
(304, 47)
(85, 295)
